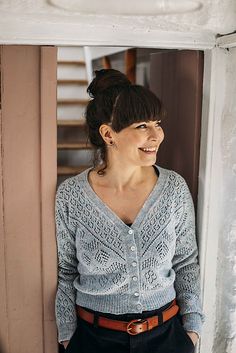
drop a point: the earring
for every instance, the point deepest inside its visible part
(110, 144)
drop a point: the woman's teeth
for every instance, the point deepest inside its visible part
(153, 149)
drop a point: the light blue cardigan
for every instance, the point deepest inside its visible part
(109, 267)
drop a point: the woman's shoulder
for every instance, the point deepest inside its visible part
(169, 173)
(72, 184)
(172, 177)
(175, 186)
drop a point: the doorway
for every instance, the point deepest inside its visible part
(175, 76)
(31, 156)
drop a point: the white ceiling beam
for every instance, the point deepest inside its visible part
(45, 32)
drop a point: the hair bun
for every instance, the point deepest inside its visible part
(107, 78)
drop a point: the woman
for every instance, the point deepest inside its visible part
(128, 272)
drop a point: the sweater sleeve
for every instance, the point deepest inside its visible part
(67, 270)
(185, 264)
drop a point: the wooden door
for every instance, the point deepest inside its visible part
(176, 77)
(28, 159)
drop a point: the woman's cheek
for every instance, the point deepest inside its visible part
(162, 136)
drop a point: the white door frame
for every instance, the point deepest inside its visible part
(208, 212)
(210, 181)
(34, 30)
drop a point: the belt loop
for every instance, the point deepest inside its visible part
(160, 319)
(95, 321)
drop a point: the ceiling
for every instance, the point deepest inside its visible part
(206, 16)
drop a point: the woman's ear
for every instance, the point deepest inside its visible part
(107, 133)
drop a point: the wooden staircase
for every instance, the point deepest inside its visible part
(72, 100)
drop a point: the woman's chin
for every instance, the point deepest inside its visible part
(148, 163)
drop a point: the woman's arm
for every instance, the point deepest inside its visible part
(185, 263)
(67, 270)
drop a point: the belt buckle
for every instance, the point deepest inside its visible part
(134, 325)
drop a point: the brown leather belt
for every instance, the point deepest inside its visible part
(133, 327)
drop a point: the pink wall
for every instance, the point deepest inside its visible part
(27, 187)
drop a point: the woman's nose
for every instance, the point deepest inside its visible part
(155, 133)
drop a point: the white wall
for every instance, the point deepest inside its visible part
(217, 202)
(225, 330)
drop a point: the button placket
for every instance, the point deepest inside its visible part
(133, 272)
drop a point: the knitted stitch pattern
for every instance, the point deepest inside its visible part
(109, 267)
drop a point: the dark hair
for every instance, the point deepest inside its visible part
(118, 102)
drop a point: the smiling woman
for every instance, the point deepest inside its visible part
(124, 116)
(128, 268)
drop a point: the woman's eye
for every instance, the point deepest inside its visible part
(142, 126)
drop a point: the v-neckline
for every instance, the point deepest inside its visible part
(156, 190)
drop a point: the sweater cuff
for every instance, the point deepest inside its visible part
(66, 331)
(193, 322)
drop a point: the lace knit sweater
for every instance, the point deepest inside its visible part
(107, 266)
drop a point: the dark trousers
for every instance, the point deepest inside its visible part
(170, 337)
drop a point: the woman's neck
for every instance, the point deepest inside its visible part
(121, 178)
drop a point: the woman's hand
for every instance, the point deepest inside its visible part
(194, 336)
(65, 343)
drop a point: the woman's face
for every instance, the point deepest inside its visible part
(138, 143)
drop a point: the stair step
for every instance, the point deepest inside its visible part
(71, 62)
(72, 82)
(71, 122)
(73, 101)
(74, 146)
(70, 170)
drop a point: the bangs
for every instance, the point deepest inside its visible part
(134, 104)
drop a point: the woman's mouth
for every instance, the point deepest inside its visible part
(149, 150)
